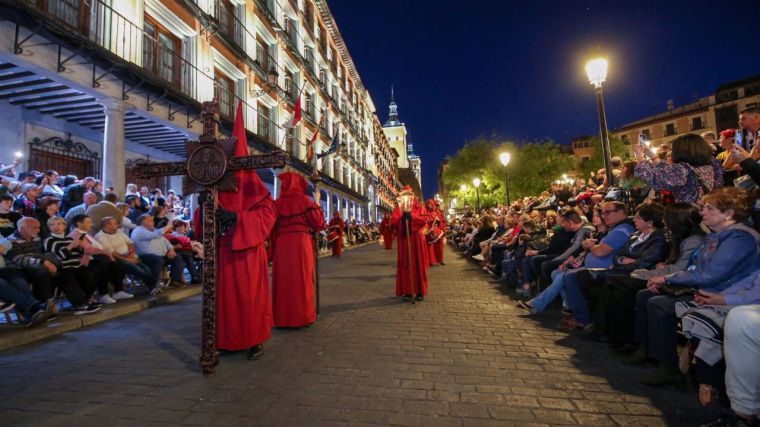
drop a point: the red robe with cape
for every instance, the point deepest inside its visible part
(436, 225)
(387, 232)
(419, 252)
(244, 301)
(293, 253)
(338, 226)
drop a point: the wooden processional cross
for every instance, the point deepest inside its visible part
(209, 168)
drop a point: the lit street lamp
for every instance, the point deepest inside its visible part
(476, 183)
(505, 158)
(597, 73)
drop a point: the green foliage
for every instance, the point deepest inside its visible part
(532, 169)
(596, 162)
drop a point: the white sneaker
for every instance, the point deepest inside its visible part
(106, 299)
(122, 295)
(478, 257)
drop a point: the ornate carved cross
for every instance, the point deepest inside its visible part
(209, 168)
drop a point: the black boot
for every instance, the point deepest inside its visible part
(255, 352)
(419, 297)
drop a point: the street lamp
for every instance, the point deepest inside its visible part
(597, 73)
(505, 158)
(476, 183)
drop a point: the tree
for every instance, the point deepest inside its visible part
(596, 162)
(532, 169)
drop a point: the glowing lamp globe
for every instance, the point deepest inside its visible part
(504, 158)
(597, 71)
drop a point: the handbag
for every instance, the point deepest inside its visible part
(677, 291)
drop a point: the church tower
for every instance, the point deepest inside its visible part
(396, 133)
(409, 163)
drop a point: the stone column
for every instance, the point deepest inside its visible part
(113, 173)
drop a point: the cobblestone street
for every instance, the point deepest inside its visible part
(463, 357)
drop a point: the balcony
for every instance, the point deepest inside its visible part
(291, 34)
(228, 25)
(266, 129)
(267, 8)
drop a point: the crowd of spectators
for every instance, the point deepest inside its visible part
(662, 264)
(71, 244)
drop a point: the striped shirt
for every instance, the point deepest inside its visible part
(57, 244)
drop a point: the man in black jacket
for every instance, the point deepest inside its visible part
(74, 194)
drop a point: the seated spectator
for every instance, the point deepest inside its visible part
(730, 253)
(39, 268)
(682, 225)
(126, 223)
(99, 190)
(122, 248)
(702, 322)
(186, 215)
(643, 250)
(185, 248)
(101, 263)
(47, 208)
(26, 204)
(742, 345)
(8, 217)
(102, 209)
(88, 199)
(73, 195)
(15, 293)
(160, 215)
(156, 251)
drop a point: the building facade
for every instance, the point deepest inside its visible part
(92, 87)
(714, 113)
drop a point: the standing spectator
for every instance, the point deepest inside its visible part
(50, 184)
(122, 248)
(8, 217)
(102, 209)
(153, 249)
(73, 195)
(692, 173)
(26, 204)
(88, 200)
(145, 199)
(143, 206)
(126, 224)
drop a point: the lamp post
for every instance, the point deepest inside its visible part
(505, 158)
(476, 183)
(597, 73)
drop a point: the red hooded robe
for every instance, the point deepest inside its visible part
(293, 253)
(436, 224)
(244, 302)
(387, 232)
(338, 225)
(419, 252)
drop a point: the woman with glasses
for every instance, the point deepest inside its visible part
(729, 253)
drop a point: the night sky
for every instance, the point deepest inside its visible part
(464, 69)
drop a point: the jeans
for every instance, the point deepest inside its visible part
(156, 263)
(188, 259)
(142, 271)
(549, 294)
(575, 299)
(15, 289)
(531, 267)
(741, 347)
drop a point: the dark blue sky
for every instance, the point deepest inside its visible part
(515, 68)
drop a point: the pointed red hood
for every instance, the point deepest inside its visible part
(251, 190)
(293, 199)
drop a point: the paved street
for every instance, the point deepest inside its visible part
(462, 357)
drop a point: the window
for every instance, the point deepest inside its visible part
(290, 85)
(309, 58)
(696, 123)
(670, 129)
(263, 125)
(646, 133)
(74, 13)
(262, 54)
(225, 16)
(308, 105)
(586, 144)
(626, 139)
(224, 91)
(308, 15)
(161, 52)
(752, 90)
(726, 96)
